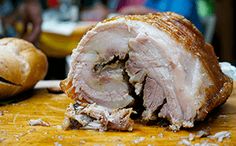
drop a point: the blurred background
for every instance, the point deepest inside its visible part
(56, 26)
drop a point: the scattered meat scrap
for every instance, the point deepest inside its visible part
(205, 143)
(57, 144)
(153, 137)
(202, 133)
(220, 135)
(92, 116)
(138, 140)
(191, 137)
(185, 142)
(82, 141)
(38, 122)
(223, 116)
(60, 137)
(120, 144)
(161, 135)
(1, 113)
(2, 139)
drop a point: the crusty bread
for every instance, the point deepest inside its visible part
(21, 66)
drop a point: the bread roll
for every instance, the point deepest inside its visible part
(21, 66)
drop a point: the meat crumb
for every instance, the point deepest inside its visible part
(2, 139)
(82, 141)
(222, 116)
(220, 135)
(153, 137)
(138, 140)
(202, 133)
(120, 144)
(14, 104)
(3, 133)
(60, 137)
(174, 128)
(185, 142)
(160, 135)
(38, 122)
(1, 113)
(57, 144)
(191, 137)
(205, 143)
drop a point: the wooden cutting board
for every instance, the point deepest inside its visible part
(15, 130)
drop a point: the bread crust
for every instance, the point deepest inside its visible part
(21, 66)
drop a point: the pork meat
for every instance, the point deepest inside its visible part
(159, 61)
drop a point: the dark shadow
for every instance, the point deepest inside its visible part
(19, 97)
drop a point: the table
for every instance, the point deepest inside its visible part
(14, 127)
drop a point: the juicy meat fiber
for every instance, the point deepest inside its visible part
(92, 116)
(159, 59)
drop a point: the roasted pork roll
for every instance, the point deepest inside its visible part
(157, 64)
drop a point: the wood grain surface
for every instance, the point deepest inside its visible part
(15, 130)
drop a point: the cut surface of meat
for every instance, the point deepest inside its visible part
(160, 59)
(92, 116)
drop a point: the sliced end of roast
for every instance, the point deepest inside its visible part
(132, 58)
(95, 117)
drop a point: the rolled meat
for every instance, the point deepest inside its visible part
(157, 64)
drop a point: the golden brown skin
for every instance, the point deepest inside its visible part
(184, 32)
(188, 35)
